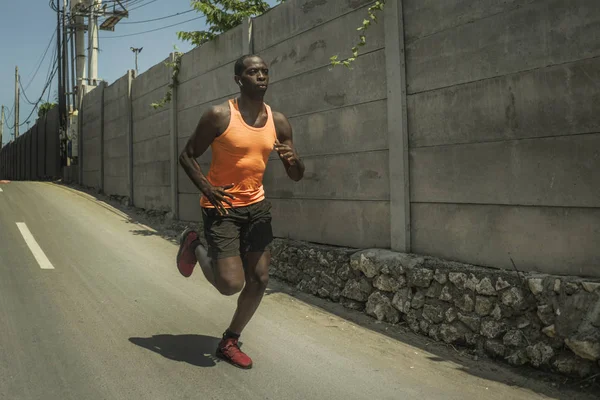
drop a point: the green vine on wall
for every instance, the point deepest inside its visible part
(377, 7)
(175, 65)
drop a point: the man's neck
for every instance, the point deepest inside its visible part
(251, 106)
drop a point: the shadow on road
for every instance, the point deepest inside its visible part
(197, 350)
(143, 232)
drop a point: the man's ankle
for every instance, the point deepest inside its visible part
(230, 335)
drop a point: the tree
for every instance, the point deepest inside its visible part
(221, 16)
(44, 108)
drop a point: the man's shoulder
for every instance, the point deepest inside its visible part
(218, 116)
(279, 119)
(218, 111)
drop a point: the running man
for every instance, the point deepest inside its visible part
(242, 133)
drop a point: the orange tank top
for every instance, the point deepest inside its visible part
(240, 156)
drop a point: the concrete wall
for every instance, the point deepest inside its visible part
(53, 167)
(504, 132)
(116, 130)
(91, 137)
(499, 135)
(35, 154)
(151, 128)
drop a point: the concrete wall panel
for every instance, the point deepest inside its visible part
(225, 49)
(154, 78)
(41, 148)
(152, 150)
(142, 106)
(365, 223)
(426, 17)
(116, 148)
(554, 240)
(361, 127)
(333, 177)
(540, 34)
(314, 48)
(323, 90)
(152, 127)
(560, 171)
(91, 155)
(151, 185)
(116, 168)
(297, 16)
(53, 167)
(207, 87)
(91, 178)
(152, 197)
(189, 207)
(559, 100)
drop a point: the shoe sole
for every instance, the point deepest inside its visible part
(181, 241)
(224, 358)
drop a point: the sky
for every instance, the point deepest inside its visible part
(26, 32)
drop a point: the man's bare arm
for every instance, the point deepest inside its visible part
(208, 128)
(292, 163)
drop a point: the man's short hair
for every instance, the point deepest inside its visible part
(239, 64)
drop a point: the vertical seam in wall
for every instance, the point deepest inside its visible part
(173, 149)
(102, 85)
(397, 127)
(130, 78)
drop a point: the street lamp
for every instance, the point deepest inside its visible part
(136, 51)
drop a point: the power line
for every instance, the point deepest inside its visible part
(41, 61)
(157, 19)
(143, 5)
(25, 94)
(153, 30)
(40, 99)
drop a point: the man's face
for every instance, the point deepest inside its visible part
(255, 78)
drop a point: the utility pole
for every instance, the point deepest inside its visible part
(136, 51)
(79, 48)
(93, 42)
(59, 52)
(17, 96)
(65, 67)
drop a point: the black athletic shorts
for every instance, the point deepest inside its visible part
(242, 230)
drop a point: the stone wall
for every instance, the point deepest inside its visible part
(548, 322)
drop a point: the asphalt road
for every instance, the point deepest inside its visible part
(98, 311)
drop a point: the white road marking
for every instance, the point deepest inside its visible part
(0, 190)
(35, 248)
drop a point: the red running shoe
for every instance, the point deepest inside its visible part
(186, 256)
(229, 351)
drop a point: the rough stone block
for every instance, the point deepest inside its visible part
(465, 303)
(484, 305)
(357, 290)
(495, 348)
(433, 314)
(492, 329)
(380, 307)
(540, 354)
(387, 283)
(420, 277)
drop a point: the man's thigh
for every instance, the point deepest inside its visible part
(257, 234)
(222, 233)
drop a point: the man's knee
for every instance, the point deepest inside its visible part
(259, 279)
(229, 287)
